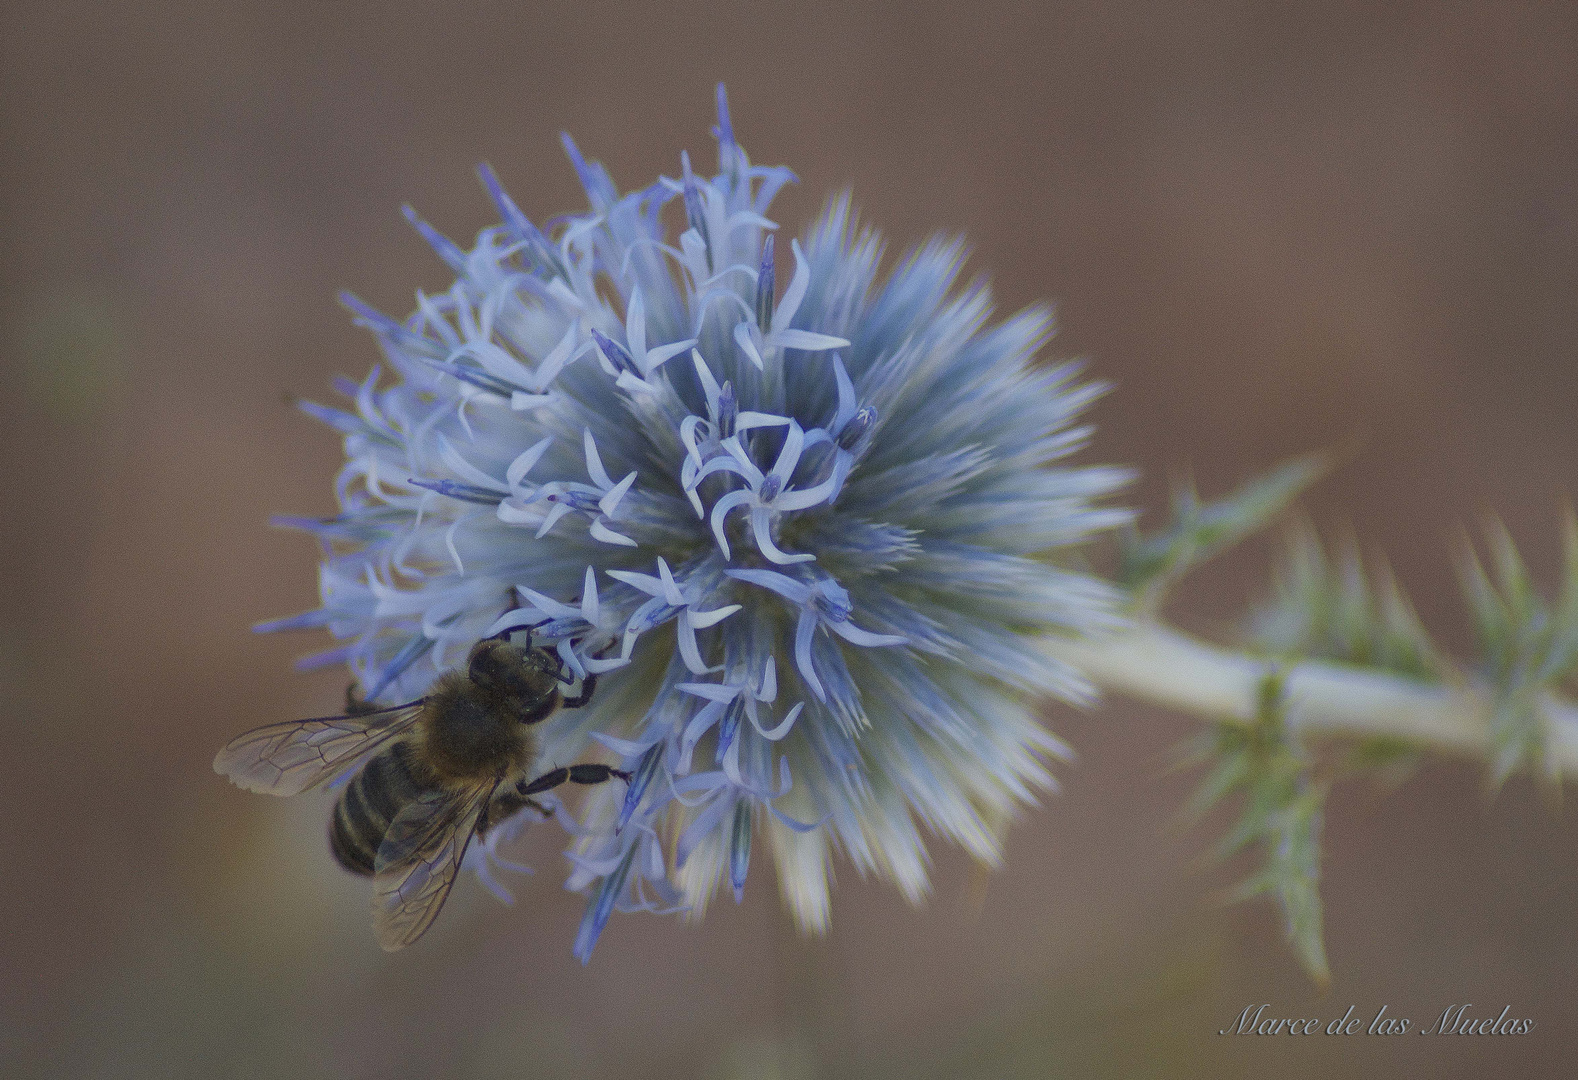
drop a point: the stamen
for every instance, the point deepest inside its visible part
(765, 286)
(639, 782)
(695, 212)
(464, 492)
(615, 353)
(740, 848)
(858, 426)
(728, 411)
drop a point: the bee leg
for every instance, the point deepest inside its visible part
(588, 684)
(533, 804)
(596, 774)
(575, 774)
(506, 805)
(354, 703)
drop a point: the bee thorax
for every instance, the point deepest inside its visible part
(469, 735)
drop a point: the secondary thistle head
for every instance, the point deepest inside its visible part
(807, 541)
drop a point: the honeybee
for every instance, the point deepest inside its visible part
(435, 772)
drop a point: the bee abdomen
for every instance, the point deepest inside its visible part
(367, 805)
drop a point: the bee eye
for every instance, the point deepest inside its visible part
(484, 668)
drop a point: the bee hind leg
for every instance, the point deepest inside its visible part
(575, 774)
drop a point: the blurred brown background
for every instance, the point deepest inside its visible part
(1275, 227)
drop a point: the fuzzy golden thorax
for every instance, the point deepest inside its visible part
(476, 726)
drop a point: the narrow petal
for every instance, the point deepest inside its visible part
(731, 765)
(846, 395)
(709, 385)
(720, 511)
(723, 464)
(645, 582)
(794, 499)
(687, 435)
(703, 619)
(594, 463)
(655, 358)
(688, 650)
(748, 419)
(671, 591)
(790, 304)
(609, 503)
(855, 635)
(466, 470)
(623, 747)
(744, 339)
(448, 542)
(636, 326)
(511, 620)
(761, 526)
(776, 733)
(602, 532)
(748, 468)
(789, 456)
(710, 690)
(567, 654)
(802, 652)
(782, 584)
(524, 463)
(559, 510)
(629, 383)
(697, 830)
(769, 690)
(555, 361)
(806, 341)
(589, 603)
(545, 604)
(694, 730)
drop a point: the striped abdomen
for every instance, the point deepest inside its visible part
(367, 806)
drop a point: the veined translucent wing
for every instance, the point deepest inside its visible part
(283, 759)
(418, 861)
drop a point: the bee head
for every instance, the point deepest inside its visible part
(525, 676)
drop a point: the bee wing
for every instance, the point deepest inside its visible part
(283, 759)
(418, 860)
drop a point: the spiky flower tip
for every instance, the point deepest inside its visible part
(806, 537)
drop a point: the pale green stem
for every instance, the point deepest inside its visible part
(1165, 667)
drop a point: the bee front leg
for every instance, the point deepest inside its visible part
(588, 684)
(575, 774)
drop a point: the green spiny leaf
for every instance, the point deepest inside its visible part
(1527, 646)
(1150, 564)
(1281, 812)
(1492, 620)
(1330, 611)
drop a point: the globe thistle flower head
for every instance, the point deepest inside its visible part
(805, 536)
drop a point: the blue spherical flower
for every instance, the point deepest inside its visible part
(807, 540)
